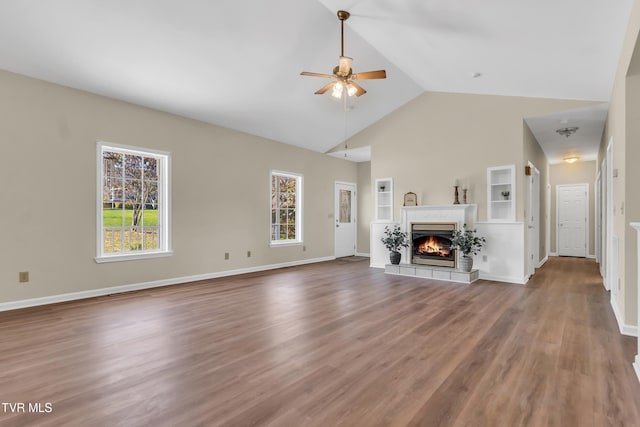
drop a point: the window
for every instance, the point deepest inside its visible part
(286, 208)
(133, 203)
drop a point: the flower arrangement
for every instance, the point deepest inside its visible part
(394, 239)
(467, 242)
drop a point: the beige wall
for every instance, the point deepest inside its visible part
(576, 173)
(220, 191)
(632, 196)
(365, 206)
(533, 153)
(437, 138)
(620, 131)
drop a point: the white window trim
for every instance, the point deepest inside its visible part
(299, 207)
(164, 200)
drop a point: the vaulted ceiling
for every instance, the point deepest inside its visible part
(237, 63)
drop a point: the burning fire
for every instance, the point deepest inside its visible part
(432, 246)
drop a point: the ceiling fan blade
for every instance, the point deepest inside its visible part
(359, 89)
(307, 73)
(344, 65)
(325, 88)
(368, 75)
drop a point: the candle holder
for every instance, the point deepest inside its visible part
(464, 196)
(456, 201)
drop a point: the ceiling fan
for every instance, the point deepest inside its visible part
(343, 74)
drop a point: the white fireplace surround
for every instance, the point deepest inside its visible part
(501, 259)
(460, 214)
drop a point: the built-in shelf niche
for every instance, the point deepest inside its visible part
(384, 199)
(501, 193)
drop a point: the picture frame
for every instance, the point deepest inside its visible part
(410, 199)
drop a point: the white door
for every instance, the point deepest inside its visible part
(572, 219)
(345, 219)
(533, 219)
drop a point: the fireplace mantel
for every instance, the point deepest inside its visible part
(462, 214)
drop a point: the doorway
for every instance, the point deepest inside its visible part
(345, 219)
(533, 219)
(573, 216)
(610, 244)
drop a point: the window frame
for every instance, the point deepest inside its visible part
(164, 203)
(299, 208)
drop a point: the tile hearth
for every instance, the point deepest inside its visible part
(431, 272)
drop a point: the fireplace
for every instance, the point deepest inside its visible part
(430, 244)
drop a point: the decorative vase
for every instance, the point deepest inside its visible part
(395, 257)
(466, 263)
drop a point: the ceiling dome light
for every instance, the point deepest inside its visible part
(571, 159)
(568, 131)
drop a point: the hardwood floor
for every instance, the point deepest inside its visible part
(327, 344)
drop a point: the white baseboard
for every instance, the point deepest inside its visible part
(13, 305)
(374, 265)
(545, 259)
(363, 254)
(625, 329)
(588, 256)
(516, 280)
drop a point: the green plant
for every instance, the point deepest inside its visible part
(394, 239)
(466, 241)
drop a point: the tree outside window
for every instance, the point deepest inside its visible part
(133, 207)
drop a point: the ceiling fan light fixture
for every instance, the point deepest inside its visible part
(568, 131)
(351, 89)
(571, 159)
(338, 88)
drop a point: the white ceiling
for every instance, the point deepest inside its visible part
(583, 144)
(237, 63)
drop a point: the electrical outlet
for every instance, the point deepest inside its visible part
(248, 254)
(23, 277)
(226, 255)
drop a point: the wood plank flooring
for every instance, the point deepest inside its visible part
(329, 344)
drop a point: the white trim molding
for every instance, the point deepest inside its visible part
(33, 302)
(543, 261)
(366, 255)
(636, 364)
(628, 330)
(505, 279)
